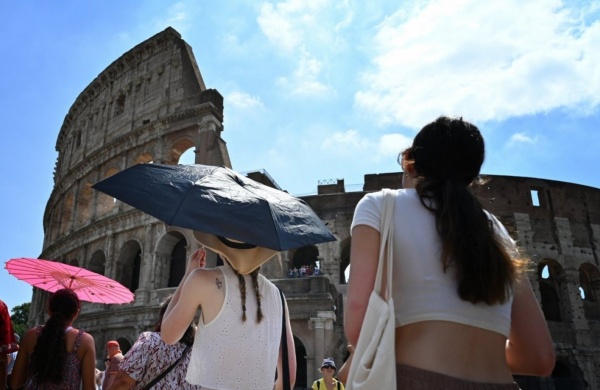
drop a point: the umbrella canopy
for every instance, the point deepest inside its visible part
(52, 276)
(219, 201)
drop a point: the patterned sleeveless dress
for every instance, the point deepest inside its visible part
(71, 370)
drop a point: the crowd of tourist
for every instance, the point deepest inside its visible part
(303, 271)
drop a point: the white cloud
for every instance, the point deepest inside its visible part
(522, 138)
(176, 16)
(243, 100)
(305, 79)
(481, 60)
(351, 142)
(346, 142)
(390, 145)
(306, 33)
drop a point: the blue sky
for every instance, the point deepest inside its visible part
(314, 89)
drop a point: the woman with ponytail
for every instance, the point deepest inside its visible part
(238, 340)
(466, 315)
(56, 356)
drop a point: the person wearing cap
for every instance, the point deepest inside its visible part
(328, 382)
(238, 341)
(116, 357)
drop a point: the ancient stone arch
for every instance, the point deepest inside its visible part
(589, 277)
(84, 204)
(97, 262)
(550, 289)
(129, 265)
(345, 259)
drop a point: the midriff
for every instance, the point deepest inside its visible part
(454, 349)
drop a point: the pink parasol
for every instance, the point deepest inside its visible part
(52, 276)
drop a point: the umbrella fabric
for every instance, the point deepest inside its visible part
(218, 201)
(52, 276)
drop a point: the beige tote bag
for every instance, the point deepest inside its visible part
(374, 361)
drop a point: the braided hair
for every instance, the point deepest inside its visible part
(242, 283)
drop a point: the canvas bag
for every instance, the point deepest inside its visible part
(374, 362)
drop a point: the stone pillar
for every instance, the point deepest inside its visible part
(570, 295)
(142, 294)
(109, 265)
(210, 148)
(322, 327)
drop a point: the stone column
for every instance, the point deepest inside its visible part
(109, 265)
(570, 295)
(322, 327)
(210, 148)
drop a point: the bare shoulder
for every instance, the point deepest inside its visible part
(202, 276)
(87, 338)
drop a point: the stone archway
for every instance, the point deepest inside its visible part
(129, 265)
(548, 279)
(589, 281)
(345, 260)
(97, 262)
(301, 369)
(171, 255)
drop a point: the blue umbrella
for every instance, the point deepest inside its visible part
(219, 201)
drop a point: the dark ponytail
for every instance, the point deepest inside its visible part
(446, 156)
(50, 351)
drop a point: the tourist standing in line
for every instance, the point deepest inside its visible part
(56, 356)
(238, 342)
(465, 311)
(150, 357)
(116, 357)
(328, 382)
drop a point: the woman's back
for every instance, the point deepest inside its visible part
(435, 327)
(231, 353)
(57, 356)
(464, 308)
(72, 365)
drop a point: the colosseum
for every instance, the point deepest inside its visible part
(152, 105)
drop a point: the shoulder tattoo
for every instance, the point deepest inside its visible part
(218, 283)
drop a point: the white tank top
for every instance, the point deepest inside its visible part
(231, 354)
(421, 289)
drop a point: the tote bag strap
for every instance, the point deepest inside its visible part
(386, 245)
(169, 369)
(284, 346)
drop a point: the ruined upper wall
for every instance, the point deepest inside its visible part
(156, 79)
(554, 218)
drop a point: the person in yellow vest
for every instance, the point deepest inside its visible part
(328, 382)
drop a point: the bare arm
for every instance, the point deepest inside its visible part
(197, 260)
(122, 381)
(364, 256)
(186, 300)
(345, 369)
(529, 348)
(88, 363)
(19, 373)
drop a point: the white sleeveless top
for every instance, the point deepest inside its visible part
(421, 289)
(230, 354)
